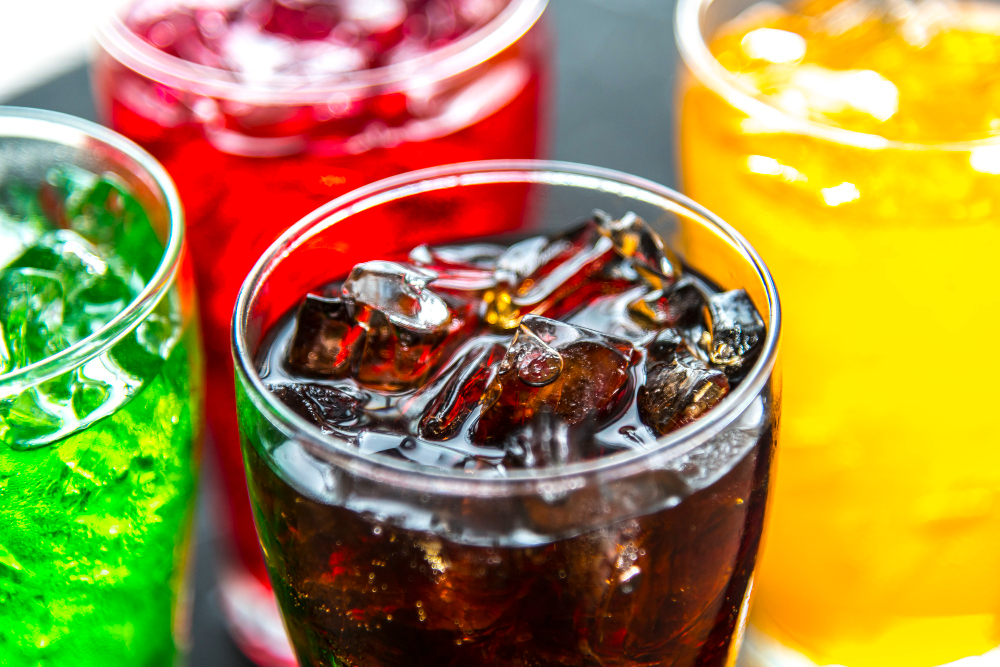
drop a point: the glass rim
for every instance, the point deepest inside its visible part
(709, 71)
(412, 475)
(66, 130)
(477, 47)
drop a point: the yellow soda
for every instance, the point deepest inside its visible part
(857, 145)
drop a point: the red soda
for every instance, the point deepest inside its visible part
(263, 110)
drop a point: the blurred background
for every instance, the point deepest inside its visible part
(615, 63)
(615, 68)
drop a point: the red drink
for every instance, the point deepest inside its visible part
(261, 111)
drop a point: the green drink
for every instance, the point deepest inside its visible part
(100, 399)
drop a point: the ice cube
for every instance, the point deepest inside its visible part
(159, 332)
(459, 268)
(474, 593)
(550, 277)
(584, 254)
(104, 292)
(677, 306)
(26, 422)
(409, 326)
(637, 242)
(523, 258)
(94, 301)
(459, 391)
(470, 256)
(65, 189)
(679, 387)
(107, 214)
(467, 283)
(665, 347)
(401, 293)
(327, 341)
(97, 289)
(15, 237)
(89, 395)
(65, 252)
(395, 358)
(329, 408)
(548, 440)
(737, 332)
(374, 16)
(574, 372)
(47, 412)
(31, 315)
(255, 56)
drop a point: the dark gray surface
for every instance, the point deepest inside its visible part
(615, 67)
(69, 93)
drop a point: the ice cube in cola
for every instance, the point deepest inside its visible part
(571, 372)
(470, 362)
(327, 341)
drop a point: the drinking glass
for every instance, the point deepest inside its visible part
(886, 528)
(99, 443)
(641, 557)
(251, 157)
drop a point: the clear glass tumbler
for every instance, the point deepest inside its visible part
(100, 442)
(886, 527)
(253, 153)
(642, 557)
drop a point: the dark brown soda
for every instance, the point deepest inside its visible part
(621, 346)
(357, 591)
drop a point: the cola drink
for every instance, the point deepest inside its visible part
(488, 368)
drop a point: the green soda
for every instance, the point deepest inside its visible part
(98, 461)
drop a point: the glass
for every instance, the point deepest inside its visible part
(884, 541)
(249, 159)
(637, 558)
(96, 515)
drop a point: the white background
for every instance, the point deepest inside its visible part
(40, 39)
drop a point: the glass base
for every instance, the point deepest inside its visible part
(761, 650)
(254, 620)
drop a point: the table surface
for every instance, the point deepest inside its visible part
(615, 67)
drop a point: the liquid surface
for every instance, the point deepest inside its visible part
(486, 357)
(97, 466)
(268, 41)
(920, 72)
(883, 534)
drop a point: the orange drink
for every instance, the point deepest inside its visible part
(857, 145)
